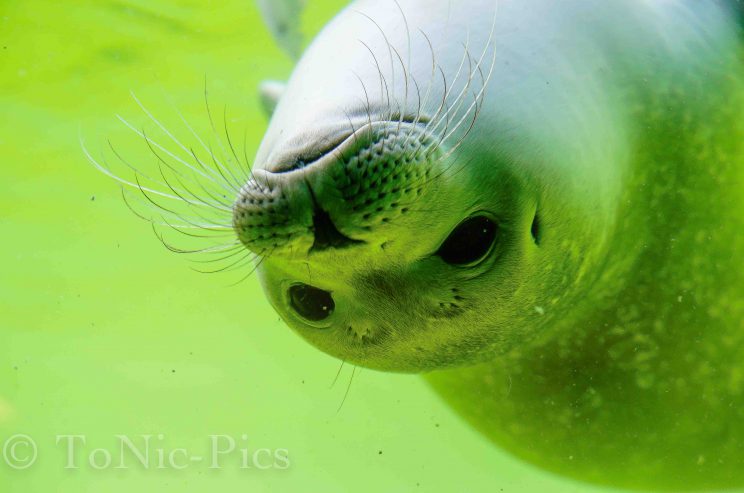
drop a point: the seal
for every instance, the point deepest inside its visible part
(538, 205)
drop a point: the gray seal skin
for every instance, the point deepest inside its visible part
(537, 204)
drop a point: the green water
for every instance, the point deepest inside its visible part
(103, 332)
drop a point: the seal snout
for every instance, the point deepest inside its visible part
(338, 198)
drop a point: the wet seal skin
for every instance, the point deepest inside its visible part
(537, 204)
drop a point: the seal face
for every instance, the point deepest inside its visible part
(376, 234)
(347, 255)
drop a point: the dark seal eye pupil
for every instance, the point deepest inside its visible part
(311, 303)
(469, 242)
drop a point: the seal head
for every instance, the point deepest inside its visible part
(401, 205)
(374, 249)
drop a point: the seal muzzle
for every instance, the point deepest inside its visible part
(339, 199)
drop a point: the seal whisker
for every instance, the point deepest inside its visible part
(177, 175)
(390, 55)
(179, 227)
(352, 127)
(438, 118)
(189, 151)
(456, 105)
(477, 102)
(460, 141)
(443, 103)
(407, 68)
(176, 214)
(192, 153)
(261, 258)
(148, 139)
(419, 116)
(447, 88)
(220, 168)
(235, 183)
(144, 193)
(205, 166)
(366, 96)
(195, 210)
(128, 183)
(434, 118)
(434, 146)
(214, 206)
(129, 165)
(338, 374)
(174, 249)
(163, 128)
(214, 250)
(215, 230)
(131, 207)
(406, 88)
(186, 201)
(200, 188)
(402, 110)
(247, 171)
(435, 67)
(184, 230)
(348, 388)
(485, 83)
(236, 250)
(237, 264)
(422, 104)
(194, 202)
(384, 88)
(446, 133)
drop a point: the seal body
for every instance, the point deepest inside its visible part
(538, 203)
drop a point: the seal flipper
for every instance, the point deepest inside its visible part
(270, 92)
(283, 20)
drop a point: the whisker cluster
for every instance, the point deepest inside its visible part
(457, 107)
(185, 192)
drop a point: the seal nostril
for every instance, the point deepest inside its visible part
(535, 229)
(311, 303)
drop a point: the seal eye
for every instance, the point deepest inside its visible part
(471, 240)
(311, 303)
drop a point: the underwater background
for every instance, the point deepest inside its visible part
(105, 333)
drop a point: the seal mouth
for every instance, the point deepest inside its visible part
(307, 155)
(303, 159)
